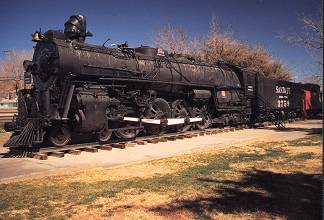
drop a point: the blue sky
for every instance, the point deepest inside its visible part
(254, 21)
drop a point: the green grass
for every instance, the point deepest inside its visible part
(312, 140)
(40, 196)
(303, 156)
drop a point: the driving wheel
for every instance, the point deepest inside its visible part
(104, 135)
(203, 113)
(127, 134)
(160, 109)
(180, 109)
(59, 136)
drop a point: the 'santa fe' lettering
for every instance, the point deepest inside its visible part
(282, 90)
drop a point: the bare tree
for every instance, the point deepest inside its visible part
(175, 40)
(311, 36)
(221, 46)
(11, 71)
(12, 64)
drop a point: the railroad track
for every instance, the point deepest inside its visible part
(94, 147)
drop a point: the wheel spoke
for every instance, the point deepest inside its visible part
(153, 111)
(159, 109)
(59, 136)
(203, 113)
(181, 110)
(104, 135)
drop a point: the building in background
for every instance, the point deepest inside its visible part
(8, 103)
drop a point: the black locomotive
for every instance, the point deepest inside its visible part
(72, 87)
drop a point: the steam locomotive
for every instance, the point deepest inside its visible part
(72, 87)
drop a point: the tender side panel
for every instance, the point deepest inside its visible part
(272, 94)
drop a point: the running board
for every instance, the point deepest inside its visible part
(167, 121)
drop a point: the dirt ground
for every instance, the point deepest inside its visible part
(15, 168)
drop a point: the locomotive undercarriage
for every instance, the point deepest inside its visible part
(108, 111)
(276, 116)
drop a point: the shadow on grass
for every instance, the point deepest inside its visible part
(293, 196)
(309, 131)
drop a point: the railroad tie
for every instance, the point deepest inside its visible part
(141, 142)
(74, 152)
(105, 147)
(39, 156)
(90, 149)
(171, 138)
(163, 139)
(119, 145)
(153, 141)
(56, 154)
(180, 137)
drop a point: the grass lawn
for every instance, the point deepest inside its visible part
(277, 180)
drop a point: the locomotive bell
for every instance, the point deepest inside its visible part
(75, 28)
(36, 37)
